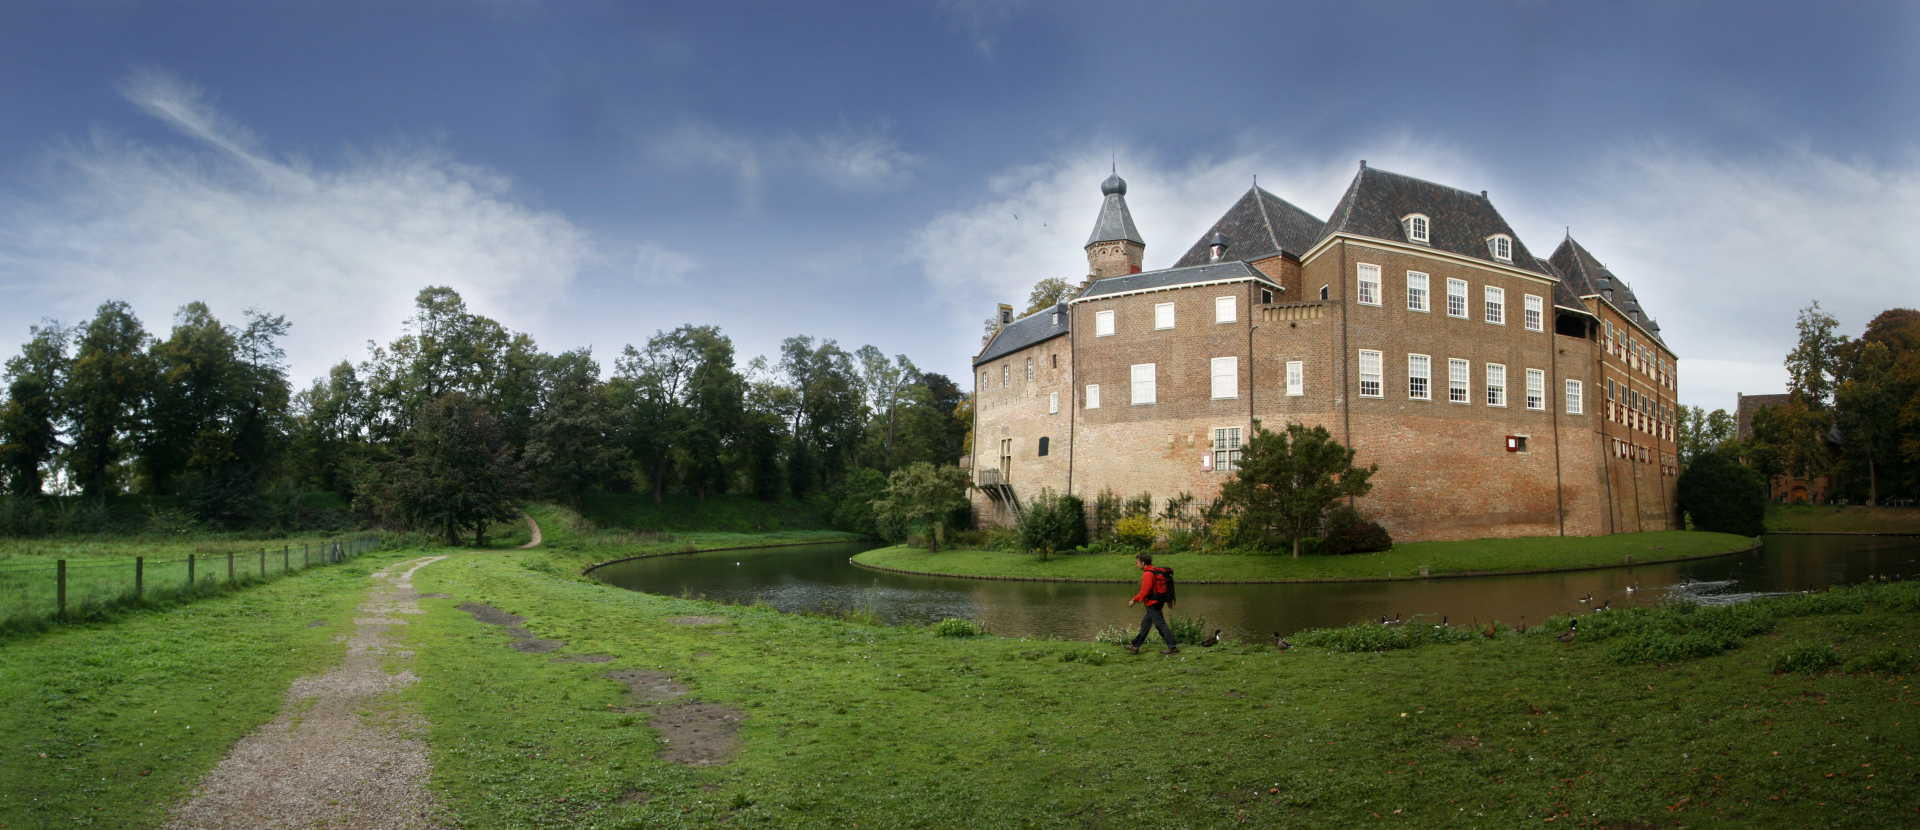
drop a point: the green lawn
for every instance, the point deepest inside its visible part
(1403, 562)
(1851, 519)
(728, 512)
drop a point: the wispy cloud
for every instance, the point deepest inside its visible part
(851, 159)
(340, 249)
(655, 265)
(982, 20)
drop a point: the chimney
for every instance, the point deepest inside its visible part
(1006, 315)
(1217, 248)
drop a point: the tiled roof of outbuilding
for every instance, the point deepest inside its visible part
(1256, 227)
(1037, 327)
(1458, 222)
(1210, 272)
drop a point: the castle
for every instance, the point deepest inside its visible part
(1501, 394)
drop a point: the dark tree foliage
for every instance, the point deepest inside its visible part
(1722, 495)
(1052, 522)
(1288, 480)
(456, 471)
(106, 395)
(1349, 532)
(570, 448)
(30, 417)
(852, 501)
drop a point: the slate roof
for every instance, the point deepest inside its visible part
(1170, 277)
(1563, 294)
(1037, 327)
(1258, 226)
(1458, 222)
(1587, 277)
(1115, 221)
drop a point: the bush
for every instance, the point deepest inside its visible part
(957, 627)
(1052, 522)
(1372, 636)
(851, 503)
(1349, 532)
(1805, 659)
(1721, 495)
(1106, 513)
(1136, 532)
(1189, 630)
(1181, 540)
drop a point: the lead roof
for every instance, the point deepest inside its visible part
(1037, 327)
(1115, 222)
(1258, 226)
(1458, 222)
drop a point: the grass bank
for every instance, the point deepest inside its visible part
(682, 512)
(849, 724)
(1811, 518)
(1477, 556)
(573, 543)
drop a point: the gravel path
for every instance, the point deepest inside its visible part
(536, 534)
(340, 754)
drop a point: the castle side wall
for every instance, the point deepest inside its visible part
(1013, 418)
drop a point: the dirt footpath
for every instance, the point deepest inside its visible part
(339, 754)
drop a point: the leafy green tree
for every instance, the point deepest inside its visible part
(852, 501)
(106, 395)
(1048, 293)
(678, 402)
(934, 423)
(1867, 411)
(1722, 496)
(1700, 432)
(1287, 480)
(924, 496)
(330, 430)
(1812, 365)
(456, 471)
(818, 392)
(889, 386)
(1052, 522)
(446, 349)
(30, 417)
(571, 448)
(197, 385)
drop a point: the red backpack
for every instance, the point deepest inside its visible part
(1162, 590)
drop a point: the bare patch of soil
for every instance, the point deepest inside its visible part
(489, 614)
(436, 595)
(316, 624)
(698, 619)
(520, 632)
(702, 655)
(584, 658)
(634, 797)
(648, 685)
(1464, 742)
(537, 646)
(697, 734)
(1235, 693)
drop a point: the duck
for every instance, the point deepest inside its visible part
(1443, 621)
(1280, 644)
(1634, 588)
(1212, 641)
(1603, 606)
(1588, 598)
(1572, 632)
(1393, 623)
(1490, 630)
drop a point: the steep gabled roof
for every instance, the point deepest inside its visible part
(1587, 277)
(1038, 327)
(1256, 227)
(1563, 294)
(1223, 271)
(1458, 222)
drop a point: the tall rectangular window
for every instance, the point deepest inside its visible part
(1496, 385)
(1103, 323)
(1093, 396)
(1457, 381)
(1369, 284)
(1496, 306)
(1226, 377)
(1006, 375)
(1296, 378)
(1419, 377)
(1536, 312)
(1536, 389)
(1576, 401)
(1053, 402)
(1456, 298)
(1416, 291)
(1370, 374)
(1143, 384)
(1029, 368)
(1163, 315)
(1223, 310)
(1226, 448)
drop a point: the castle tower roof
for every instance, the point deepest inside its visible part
(1115, 222)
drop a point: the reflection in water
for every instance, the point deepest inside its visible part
(819, 577)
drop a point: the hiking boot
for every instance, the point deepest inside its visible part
(1132, 649)
(1172, 650)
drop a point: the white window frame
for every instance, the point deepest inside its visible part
(1501, 247)
(1145, 384)
(1369, 279)
(1459, 381)
(1370, 359)
(1103, 323)
(1496, 300)
(1536, 389)
(1225, 375)
(1496, 384)
(1535, 313)
(1226, 309)
(1296, 378)
(1419, 295)
(1419, 377)
(1093, 396)
(1457, 290)
(1576, 398)
(1053, 403)
(1226, 447)
(1162, 316)
(1029, 369)
(1006, 375)
(1419, 228)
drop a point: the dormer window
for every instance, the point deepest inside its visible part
(1416, 226)
(1501, 246)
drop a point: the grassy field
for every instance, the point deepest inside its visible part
(1403, 562)
(728, 513)
(572, 543)
(1851, 519)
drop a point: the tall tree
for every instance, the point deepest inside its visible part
(106, 394)
(30, 418)
(330, 430)
(198, 382)
(889, 385)
(1286, 481)
(922, 495)
(570, 449)
(1813, 362)
(823, 407)
(1700, 432)
(935, 422)
(1048, 293)
(457, 472)
(1868, 413)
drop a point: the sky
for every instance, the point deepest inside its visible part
(885, 173)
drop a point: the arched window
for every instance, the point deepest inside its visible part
(1416, 227)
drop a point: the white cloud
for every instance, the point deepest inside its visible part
(655, 265)
(982, 20)
(340, 250)
(849, 159)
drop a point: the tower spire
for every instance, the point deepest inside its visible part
(1115, 247)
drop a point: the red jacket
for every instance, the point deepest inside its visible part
(1146, 587)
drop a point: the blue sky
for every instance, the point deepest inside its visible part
(883, 173)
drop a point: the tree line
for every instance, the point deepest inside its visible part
(451, 423)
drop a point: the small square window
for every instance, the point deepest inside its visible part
(1103, 324)
(1417, 229)
(1516, 443)
(1224, 310)
(1266, 296)
(1163, 315)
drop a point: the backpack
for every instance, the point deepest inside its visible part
(1162, 591)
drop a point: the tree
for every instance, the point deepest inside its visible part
(921, 495)
(1287, 480)
(30, 418)
(105, 395)
(1722, 496)
(570, 449)
(1811, 365)
(1700, 432)
(1048, 293)
(888, 385)
(457, 471)
(934, 422)
(678, 401)
(1867, 412)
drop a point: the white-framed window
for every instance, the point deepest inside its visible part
(1608, 338)
(1143, 384)
(1266, 296)
(1575, 398)
(1053, 403)
(1296, 378)
(1225, 310)
(1370, 374)
(1419, 377)
(1496, 306)
(1369, 284)
(1457, 379)
(1536, 389)
(1496, 385)
(1029, 368)
(1226, 377)
(1417, 228)
(1093, 396)
(1501, 246)
(1163, 315)
(1535, 313)
(983, 379)
(1006, 375)
(1416, 291)
(1103, 323)
(1226, 448)
(1323, 292)
(1456, 298)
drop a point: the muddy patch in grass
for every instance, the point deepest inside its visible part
(436, 596)
(537, 646)
(489, 614)
(316, 624)
(697, 734)
(634, 797)
(648, 685)
(1464, 742)
(698, 619)
(584, 658)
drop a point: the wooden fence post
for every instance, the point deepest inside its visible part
(139, 577)
(229, 566)
(60, 578)
(263, 562)
(189, 570)
(286, 558)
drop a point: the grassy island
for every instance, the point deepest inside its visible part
(1819, 518)
(1464, 558)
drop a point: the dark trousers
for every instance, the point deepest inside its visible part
(1156, 618)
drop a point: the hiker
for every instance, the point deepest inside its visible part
(1156, 590)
